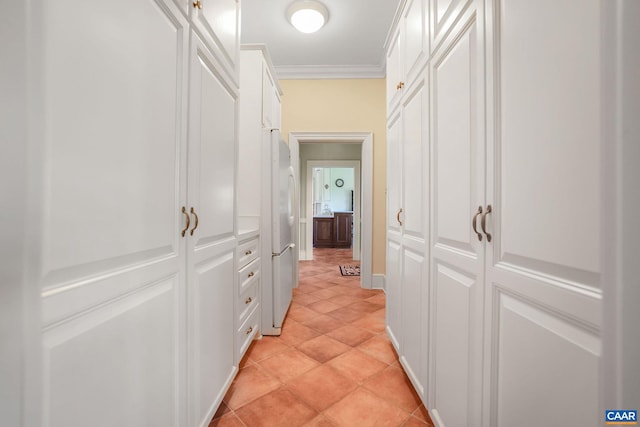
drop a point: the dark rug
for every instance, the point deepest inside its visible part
(350, 270)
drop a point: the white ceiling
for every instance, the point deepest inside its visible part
(350, 45)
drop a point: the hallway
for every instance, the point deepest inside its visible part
(333, 364)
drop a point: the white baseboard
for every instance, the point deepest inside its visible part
(378, 281)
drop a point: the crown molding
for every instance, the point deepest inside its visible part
(312, 72)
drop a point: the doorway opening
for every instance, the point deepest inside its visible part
(333, 204)
(355, 147)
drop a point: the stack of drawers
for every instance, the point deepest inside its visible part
(248, 301)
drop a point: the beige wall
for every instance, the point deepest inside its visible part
(345, 105)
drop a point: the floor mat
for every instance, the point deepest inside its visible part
(350, 270)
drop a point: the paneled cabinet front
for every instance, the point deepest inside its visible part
(323, 231)
(211, 239)
(494, 302)
(259, 112)
(407, 51)
(248, 295)
(343, 225)
(217, 22)
(136, 248)
(408, 231)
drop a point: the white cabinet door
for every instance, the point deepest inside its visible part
(442, 17)
(415, 39)
(457, 255)
(211, 251)
(111, 259)
(407, 230)
(415, 229)
(218, 24)
(394, 239)
(543, 268)
(394, 71)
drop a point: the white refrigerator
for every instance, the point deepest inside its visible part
(278, 219)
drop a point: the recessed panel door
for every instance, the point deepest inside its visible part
(543, 268)
(457, 253)
(107, 193)
(211, 236)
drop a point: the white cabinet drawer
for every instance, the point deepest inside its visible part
(247, 301)
(247, 252)
(248, 275)
(247, 332)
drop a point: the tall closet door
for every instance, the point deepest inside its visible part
(108, 117)
(543, 268)
(457, 254)
(415, 230)
(394, 240)
(211, 249)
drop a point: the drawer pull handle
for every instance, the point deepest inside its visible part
(248, 253)
(186, 215)
(248, 300)
(474, 221)
(251, 274)
(249, 330)
(195, 215)
(483, 223)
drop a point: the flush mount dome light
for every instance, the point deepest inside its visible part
(307, 16)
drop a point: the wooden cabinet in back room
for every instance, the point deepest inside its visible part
(342, 226)
(333, 231)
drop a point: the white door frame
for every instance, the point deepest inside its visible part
(353, 164)
(366, 202)
(620, 208)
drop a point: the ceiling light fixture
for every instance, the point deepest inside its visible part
(307, 16)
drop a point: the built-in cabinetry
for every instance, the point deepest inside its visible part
(493, 158)
(135, 108)
(259, 114)
(333, 232)
(248, 295)
(323, 232)
(407, 195)
(343, 229)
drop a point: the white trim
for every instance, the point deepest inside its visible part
(394, 25)
(295, 164)
(620, 205)
(366, 202)
(311, 72)
(379, 281)
(353, 164)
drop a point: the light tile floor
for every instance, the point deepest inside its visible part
(333, 365)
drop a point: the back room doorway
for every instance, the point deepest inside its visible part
(335, 154)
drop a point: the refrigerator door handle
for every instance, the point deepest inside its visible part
(290, 246)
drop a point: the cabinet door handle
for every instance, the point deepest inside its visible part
(473, 223)
(197, 4)
(248, 300)
(195, 215)
(249, 330)
(483, 223)
(398, 216)
(248, 253)
(251, 274)
(186, 227)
